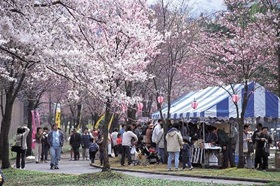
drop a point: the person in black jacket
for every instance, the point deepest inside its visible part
(262, 149)
(75, 142)
(45, 145)
(223, 141)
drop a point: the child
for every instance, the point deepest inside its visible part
(186, 153)
(93, 148)
(119, 144)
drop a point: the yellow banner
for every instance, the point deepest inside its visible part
(111, 120)
(57, 118)
(57, 114)
(99, 120)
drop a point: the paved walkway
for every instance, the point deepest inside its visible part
(82, 167)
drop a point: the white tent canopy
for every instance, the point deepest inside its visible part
(217, 102)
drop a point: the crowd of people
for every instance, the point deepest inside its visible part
(131, 141)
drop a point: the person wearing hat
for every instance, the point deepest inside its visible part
(56, 140)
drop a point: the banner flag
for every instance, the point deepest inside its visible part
(110, 123)
(58, 115)
(99, 120)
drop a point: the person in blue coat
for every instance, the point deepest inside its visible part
(56, 140)
(85, 144)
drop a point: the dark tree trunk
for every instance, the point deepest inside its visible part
(131, 112)
(11, 93)
(79, 116)
(30, 107)
(278, 68)
(131, 115)
(5, 128)
(50, 110)
(106, 164)
(240, 128)
(115, 123)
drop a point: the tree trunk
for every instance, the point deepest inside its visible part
(29, 139)
(131, 112)
(50, 110)
(241, 123)
(148, 106)
(5, 128)
(106, 164)
(2, 114)
(131, 115)
(79, 125)
(278, 68)
(115, 123)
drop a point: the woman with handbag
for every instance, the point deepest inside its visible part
(21, 136)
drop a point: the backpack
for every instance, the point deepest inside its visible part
(93, 147)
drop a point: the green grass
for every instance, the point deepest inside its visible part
(229, 172)
(31, 178)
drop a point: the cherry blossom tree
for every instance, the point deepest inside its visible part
(107, 43)
(266, 18)
(232, 50)
(175, 23)
(20, 49)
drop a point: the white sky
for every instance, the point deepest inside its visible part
(199, 6)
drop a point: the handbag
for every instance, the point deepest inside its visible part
(16, 148)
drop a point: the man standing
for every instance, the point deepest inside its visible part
(160, 145)
(85, 144)
(128, 135)
(75, 142)
(56, 140)
(262, 149)
(114, 137)
(258, 162)
(156, 132)
(223, 141)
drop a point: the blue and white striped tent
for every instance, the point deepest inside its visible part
(217, 102)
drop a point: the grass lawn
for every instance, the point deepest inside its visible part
(31, 178)
(230, 172)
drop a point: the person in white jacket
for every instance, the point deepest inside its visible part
(156, 131)
(128, 138)
(160, 145)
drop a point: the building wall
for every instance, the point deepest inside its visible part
(17, 117)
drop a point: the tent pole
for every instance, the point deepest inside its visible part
(203, 152)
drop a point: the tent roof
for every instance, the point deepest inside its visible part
(217, 102)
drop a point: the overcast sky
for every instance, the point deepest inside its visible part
(199, 6)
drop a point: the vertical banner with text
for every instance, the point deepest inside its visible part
(58, 115)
